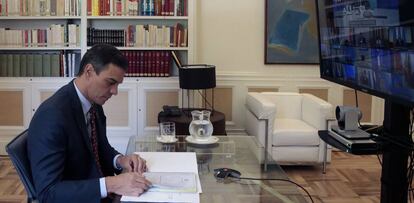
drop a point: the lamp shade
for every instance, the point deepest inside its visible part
(197, 77)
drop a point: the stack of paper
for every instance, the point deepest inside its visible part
(167, 170)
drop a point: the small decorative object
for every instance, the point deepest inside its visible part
(291, 32)
(200, 127)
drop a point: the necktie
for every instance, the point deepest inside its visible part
(94, 137)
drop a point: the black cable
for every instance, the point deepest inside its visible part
(204, 98)
(278, 179)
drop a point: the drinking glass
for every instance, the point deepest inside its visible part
(167, 131)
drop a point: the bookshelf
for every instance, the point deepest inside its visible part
(131, 112)
(154, 26)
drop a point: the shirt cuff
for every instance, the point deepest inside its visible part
(114, 162)
(102, 185)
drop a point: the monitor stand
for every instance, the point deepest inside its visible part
(351, 134)
(394, 181)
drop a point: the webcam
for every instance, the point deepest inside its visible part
(223, 173)
(348, 117)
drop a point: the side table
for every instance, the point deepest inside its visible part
(183, 121)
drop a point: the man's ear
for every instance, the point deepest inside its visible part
(88, 70)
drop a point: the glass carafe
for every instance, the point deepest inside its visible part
(200, 127)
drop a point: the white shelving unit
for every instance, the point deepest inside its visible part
(38, 48)
(115, 22)
(25, 94)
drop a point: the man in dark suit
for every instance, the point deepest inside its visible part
(70, 157)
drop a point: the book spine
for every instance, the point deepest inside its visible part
(135, 64)
(3, 65)
(46, 65)
(23, 65)
(167, 64)
(171, 8)
(16, 65)
(55, 66)
(185, 8)
(53, 7)
(161, 63)
(30, 61)
(118, 7)
(10, 65)
(60, 7)
(38, 72)
(158, 68)
(141, 67)
(95, 7)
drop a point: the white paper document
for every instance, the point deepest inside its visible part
(179, 163)
(172, 182)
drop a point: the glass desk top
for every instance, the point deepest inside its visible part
(236, 152)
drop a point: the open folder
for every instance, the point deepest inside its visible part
(175, 168)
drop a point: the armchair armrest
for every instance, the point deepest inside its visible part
(260, 106)
(316, 111)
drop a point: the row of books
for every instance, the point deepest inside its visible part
(379, 37)
(53, 64)
(141, 36)
(40, 7)
(137, 7)
(55, 35)
(66, 64)
(148, 63)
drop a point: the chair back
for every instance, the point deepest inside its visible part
(17, 150)
(288, 104)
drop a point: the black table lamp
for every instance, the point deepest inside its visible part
(198, 77)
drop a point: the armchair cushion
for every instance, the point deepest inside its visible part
(293, 132)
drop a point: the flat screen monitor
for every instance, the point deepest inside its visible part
(368, 45)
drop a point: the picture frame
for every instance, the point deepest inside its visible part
(291, 35)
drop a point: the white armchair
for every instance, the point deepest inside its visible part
(293, 123)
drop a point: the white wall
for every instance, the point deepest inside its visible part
(230, 35)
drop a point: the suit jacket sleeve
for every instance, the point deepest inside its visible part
(47, 144)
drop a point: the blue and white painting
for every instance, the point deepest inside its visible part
(291, 32)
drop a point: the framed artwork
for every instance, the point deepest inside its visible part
(291, 35)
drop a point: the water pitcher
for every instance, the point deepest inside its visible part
(201, 127)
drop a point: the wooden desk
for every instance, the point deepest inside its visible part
(183, 121)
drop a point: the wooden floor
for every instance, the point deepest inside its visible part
(349, 178)
(11, 189)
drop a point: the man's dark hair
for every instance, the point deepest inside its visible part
(101, 55)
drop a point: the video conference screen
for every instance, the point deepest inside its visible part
(368, 45)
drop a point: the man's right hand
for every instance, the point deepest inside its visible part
(130, 184)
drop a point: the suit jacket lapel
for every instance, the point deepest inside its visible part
(80, 118)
